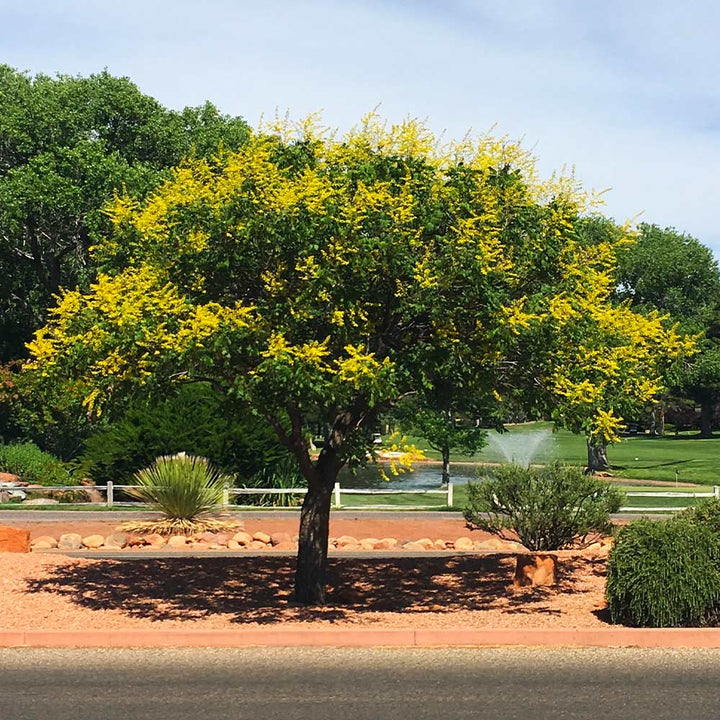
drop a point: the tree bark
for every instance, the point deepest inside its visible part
(597, 457)
(313, 541)
(445, 465)
(660, 427)
(707, 410)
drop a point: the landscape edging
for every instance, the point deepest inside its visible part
(367, 637)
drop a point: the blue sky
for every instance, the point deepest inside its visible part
(626, 92)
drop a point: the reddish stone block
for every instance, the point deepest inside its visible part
(14, 540)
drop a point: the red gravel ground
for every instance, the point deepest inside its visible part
(55, 592)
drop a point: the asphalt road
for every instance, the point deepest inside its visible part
(324, 684)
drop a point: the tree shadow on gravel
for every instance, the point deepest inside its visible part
(259, 589)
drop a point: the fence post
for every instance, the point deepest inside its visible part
(110, 492)
(716, 491)
(226, 496)
(450, 497)
(336, 491)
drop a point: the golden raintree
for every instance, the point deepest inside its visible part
(314, 276)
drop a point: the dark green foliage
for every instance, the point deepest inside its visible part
(66, 145)
(283, 473)
(197, 420)
(548, 507)
(32, 465)
(706, 513)
(664, 574)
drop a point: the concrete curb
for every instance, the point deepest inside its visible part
(366, 637)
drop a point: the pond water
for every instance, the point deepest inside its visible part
(424, 476)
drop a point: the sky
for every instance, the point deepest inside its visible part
(626, 92)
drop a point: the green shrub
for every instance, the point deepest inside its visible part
(705, 513)
(31, 464)
(548, 507)
(196, 420)
(281, 474)
(664, 574)
(183, 488)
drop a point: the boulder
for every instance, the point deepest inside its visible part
(427, 543)
(136, 540)
(242, 538)
(70, 541)
(414, 546)
(464, 544)
(537, 569)
(261, 536)
(117, 540)
(14, 540)
(177, 541)
(9, 478)
(287, 547)
(368, 543)
(44, 542)
(222, 538)
(258, 545)
(386, 544)
(280, 538)
(93, 541)
(234, 545)
(439, 545)
(344, 540)
(156, 540)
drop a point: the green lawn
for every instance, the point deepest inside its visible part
(685, 458)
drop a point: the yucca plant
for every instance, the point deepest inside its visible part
(185, 489)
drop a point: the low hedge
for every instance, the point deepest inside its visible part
(665, 574)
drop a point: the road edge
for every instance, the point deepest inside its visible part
(366, 637)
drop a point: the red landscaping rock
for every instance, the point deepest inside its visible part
(464, 544)
(44, 542)
(262, 537)
(386, 544)
(537, 570)
(280, 538)
(93, 541)
(14, 540)
(70, 541)
(344, 540)
(116, 541)
(177, 541)
(242, 537)
(9, 478)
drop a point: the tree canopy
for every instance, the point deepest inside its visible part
(310, 275)
(66, 144)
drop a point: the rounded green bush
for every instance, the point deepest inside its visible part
(664, 574)
(705, 513)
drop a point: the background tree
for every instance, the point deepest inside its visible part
(310, 276)
(66, 145)
(674, 273)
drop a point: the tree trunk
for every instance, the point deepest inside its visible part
(597, 457)
(707, 410)
(660, 428)
(313, 541)
(445, 465)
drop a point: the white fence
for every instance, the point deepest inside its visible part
(109, 489)
(338, 493)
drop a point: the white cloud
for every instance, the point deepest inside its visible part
(626, 91)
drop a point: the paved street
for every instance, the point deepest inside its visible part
(323, 684)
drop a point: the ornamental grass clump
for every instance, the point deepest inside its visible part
(548, 508)
(664, 574)
(185, 489)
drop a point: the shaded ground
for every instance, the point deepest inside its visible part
(54, 592)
